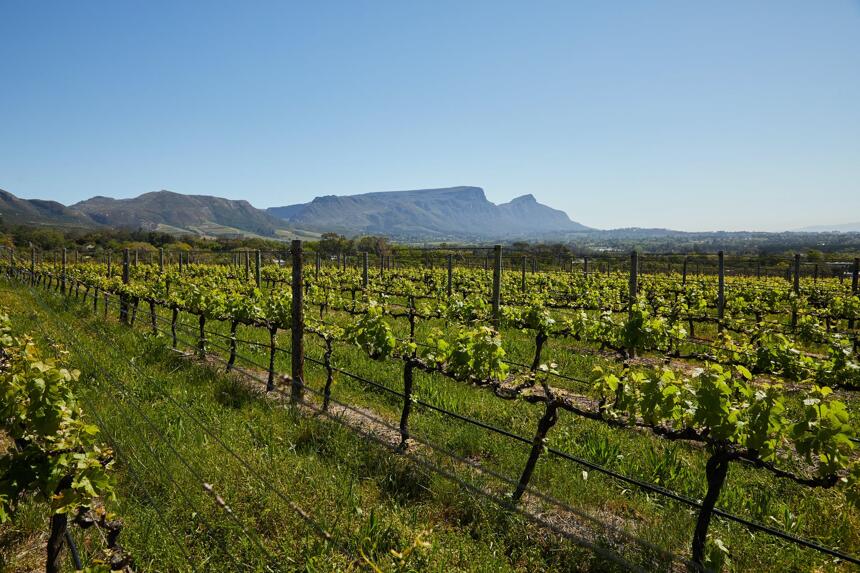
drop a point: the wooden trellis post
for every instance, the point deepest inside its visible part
(63, 273)
(497, 285)
(123, 300)
(450, 274)
(796, 289)
(855, 287)
(297, 328)
(258, 276)
(721, 290)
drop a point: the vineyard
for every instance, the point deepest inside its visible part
(660, 412)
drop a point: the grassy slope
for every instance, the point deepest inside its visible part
(146, 400)
(823, 515)
(443, 507)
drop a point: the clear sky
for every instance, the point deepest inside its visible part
(690, 115)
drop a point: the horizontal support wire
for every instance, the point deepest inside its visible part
(218, 438)
(449, 476)
(138, 410)
(643, 485)
(427, 464)
(159, 513)
(653, 488)
(531, 490)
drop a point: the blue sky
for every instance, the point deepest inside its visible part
(690, 115)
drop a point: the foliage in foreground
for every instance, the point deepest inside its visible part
(55, 454)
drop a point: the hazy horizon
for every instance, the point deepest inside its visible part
(691, 117)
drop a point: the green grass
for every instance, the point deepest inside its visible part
(375, 501)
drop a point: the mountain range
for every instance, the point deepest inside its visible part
(452, 214)
(843, 228)
(38, 212)
(456, 213)
(174, 212)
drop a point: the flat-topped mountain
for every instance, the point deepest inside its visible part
(449, 213)
(452, 214)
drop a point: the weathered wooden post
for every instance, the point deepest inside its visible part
(450, 274)
(161, 259)
(796, 273)
(855, 287)
(633, 292)
(33, 266)
(585, 266)
(721, 290)
(523, 281)
(796, 289)
(63, 273)
(364, 277)
(854, 275)
(497, 285)
(109, 271)
(123, 299)
(297, 328)
(634, 277)
(258, 276)
(684, 273)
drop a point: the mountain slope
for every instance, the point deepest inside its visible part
(17, 211)
(526, 208)
(456, 213)
(201, 214)
(450, 213)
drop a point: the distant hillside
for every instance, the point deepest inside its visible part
(17, 211)
(844, 228)
(174, 212)
(455, 213)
